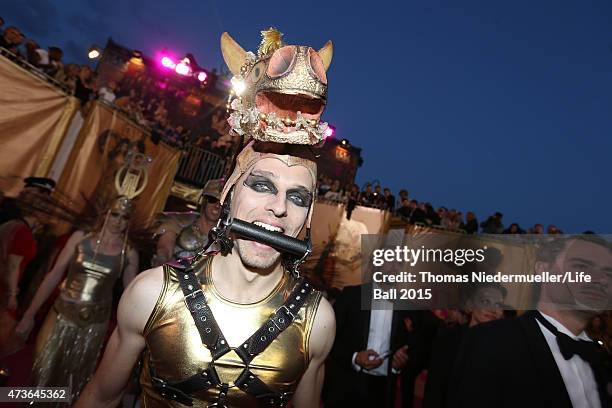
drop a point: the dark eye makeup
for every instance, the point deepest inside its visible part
(298, 196)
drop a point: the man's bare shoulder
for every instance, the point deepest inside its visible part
(323, 330)
(140, 297)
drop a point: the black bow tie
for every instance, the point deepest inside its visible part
(586, 350)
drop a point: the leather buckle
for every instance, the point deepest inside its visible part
(286, 310)
(169, 392)
(191, 295)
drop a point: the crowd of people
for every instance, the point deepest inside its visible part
(477, 354)
(422, 213)
(420, 347)
(151, 102)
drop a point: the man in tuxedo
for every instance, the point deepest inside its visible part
(543, 358)
(372, 348)
(484, 304)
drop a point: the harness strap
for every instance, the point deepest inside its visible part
(252, 385)
(215, 341)
(180, 390)
(205, 322)
(282, 318)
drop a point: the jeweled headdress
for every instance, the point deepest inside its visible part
(279, 96)
(280, 93)
(277, 100)
(130, 180)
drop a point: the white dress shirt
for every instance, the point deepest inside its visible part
(379, 336)
(576, 373)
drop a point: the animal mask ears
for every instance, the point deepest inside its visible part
(235, 56)
(326, 53)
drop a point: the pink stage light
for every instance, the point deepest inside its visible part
(202, 76)
(182, 68)
(167, 62)
(329, 132)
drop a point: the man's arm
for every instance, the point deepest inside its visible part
(308, 392)
(126, 343)
(13, 269)
(165, 246)
(131, 269)
(49, 283)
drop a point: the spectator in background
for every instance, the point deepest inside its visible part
(471, 223)
(68, 75)
(484, 304)
(405, 210)
(389, 199)
(432, 216)
(450, 221)
(33, 56)
(377, 197)
(442, 214)
(553, 230)
(403, 195)
(17, 249)
(542, 358)
(537, 229)
(54, 61)
(123, 100)
(371, 349)
(334, 192)
(11, 40)
(598, 331)
(493, 224)
(1, 22)
(460, 220)
(107, 93)
(366, 196)
(417, 214)
(325, 185)
(83, 87)
(351, 193)
(514, 229)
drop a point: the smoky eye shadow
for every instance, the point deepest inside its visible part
(260, 184)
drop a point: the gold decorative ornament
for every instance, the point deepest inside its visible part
(286, 83)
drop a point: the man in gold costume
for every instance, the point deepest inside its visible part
(71, 339)
(184, 234)
(239, 328)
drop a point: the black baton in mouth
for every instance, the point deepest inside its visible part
(281, 242)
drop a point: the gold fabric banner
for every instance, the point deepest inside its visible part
(106, 137)
(34, 117)
(336, 242)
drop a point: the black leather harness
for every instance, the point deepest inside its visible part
(215, 341)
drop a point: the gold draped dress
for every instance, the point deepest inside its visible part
(71, 339)
(175, 350)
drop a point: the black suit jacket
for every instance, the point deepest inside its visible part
(343, 384)
(508, 363)
(443, 356)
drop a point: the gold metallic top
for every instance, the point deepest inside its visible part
(175, 350)
(190, 241)
(91, 277)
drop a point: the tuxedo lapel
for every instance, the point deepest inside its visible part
(547, 372)
(396, 326)
(367, 314)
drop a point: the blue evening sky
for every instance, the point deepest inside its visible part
(475, 105)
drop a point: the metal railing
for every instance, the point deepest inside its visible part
(23, 63)
(197, 166)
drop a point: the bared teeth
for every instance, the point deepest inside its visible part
(268, 226)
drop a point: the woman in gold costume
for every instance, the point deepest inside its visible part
(72, 336)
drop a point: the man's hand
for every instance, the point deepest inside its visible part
(24, 327)
(368, 359)
(12, 302)
(400, 358)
